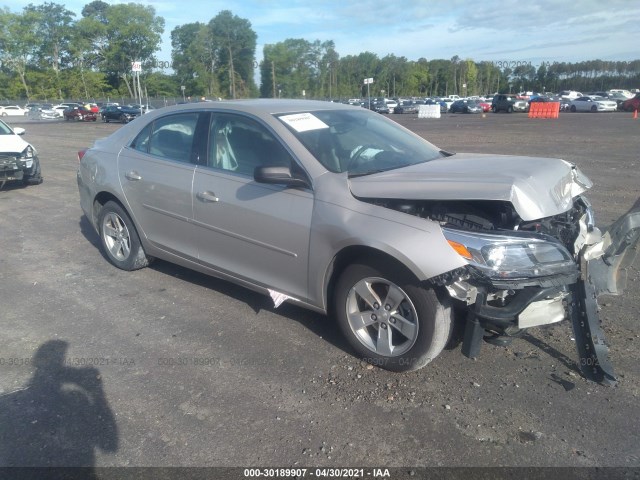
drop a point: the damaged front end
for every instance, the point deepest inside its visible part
(522, 274)
(10, 170)
(20, 167)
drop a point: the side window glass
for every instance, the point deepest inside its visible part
(173, 137)
(141, 142)
(240, 145)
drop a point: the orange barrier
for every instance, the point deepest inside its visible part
(544, 109)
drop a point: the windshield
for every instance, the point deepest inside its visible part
(5, 129)
(358, 142)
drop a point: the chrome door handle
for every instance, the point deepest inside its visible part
(207, 196)
(132, 176)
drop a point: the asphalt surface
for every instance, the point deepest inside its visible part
(167, 367)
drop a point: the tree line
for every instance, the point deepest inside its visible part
(46, 53)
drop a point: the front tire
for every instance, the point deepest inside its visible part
(389, 318)
(119, 238)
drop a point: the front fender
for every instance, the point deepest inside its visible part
(417, 243)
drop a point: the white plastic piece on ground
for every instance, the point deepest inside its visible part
(278, 298)
(429, 111)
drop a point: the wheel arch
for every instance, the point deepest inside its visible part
(100, 200)
(353, 254)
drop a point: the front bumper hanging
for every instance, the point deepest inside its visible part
(603, 270)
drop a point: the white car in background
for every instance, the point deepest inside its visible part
(391, 104)
(570, 94)
(449, 102)
(626, 93)
(59, 109)
(593, 104)
(19, 160)
(12, 110)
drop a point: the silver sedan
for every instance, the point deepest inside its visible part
(343, 211)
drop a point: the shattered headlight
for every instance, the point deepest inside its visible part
(27, 156)
(511, 257)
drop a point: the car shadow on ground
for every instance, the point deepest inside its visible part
(90, 234)
(59, 418)
(322, 326)
(12, 185)
(568, 362)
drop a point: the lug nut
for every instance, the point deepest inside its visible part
(392, 320)
(383, 326)
(374, 317)
(376, 305)
(387, 307)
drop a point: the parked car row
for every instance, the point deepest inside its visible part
(108, 112)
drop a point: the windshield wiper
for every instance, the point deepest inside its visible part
(368, 172)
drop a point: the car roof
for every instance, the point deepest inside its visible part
(262, 106)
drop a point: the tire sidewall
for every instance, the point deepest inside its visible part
(136, 259)
(434, 318)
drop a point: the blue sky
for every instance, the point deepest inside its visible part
(499, 30)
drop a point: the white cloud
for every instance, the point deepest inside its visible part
(544, 30)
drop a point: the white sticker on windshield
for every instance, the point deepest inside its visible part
(303, 122)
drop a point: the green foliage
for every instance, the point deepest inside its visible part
(158, 84)
(53, 26)
(234, 43)
(215, 59)
(48, 53)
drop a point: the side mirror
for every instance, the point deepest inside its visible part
(19, 131)
(278, 176)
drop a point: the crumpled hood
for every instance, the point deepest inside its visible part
(12, 144)
(536, 187)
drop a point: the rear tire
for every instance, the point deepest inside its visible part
(119, 238)
(390, 319)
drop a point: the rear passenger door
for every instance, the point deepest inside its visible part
(252, 231)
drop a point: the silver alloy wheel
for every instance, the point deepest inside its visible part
(116, 236)
(382, 316)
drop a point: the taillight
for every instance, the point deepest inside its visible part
(81, 153)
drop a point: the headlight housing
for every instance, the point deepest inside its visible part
(28, 155)
(511, 257)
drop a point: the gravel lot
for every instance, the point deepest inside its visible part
(186, 370)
